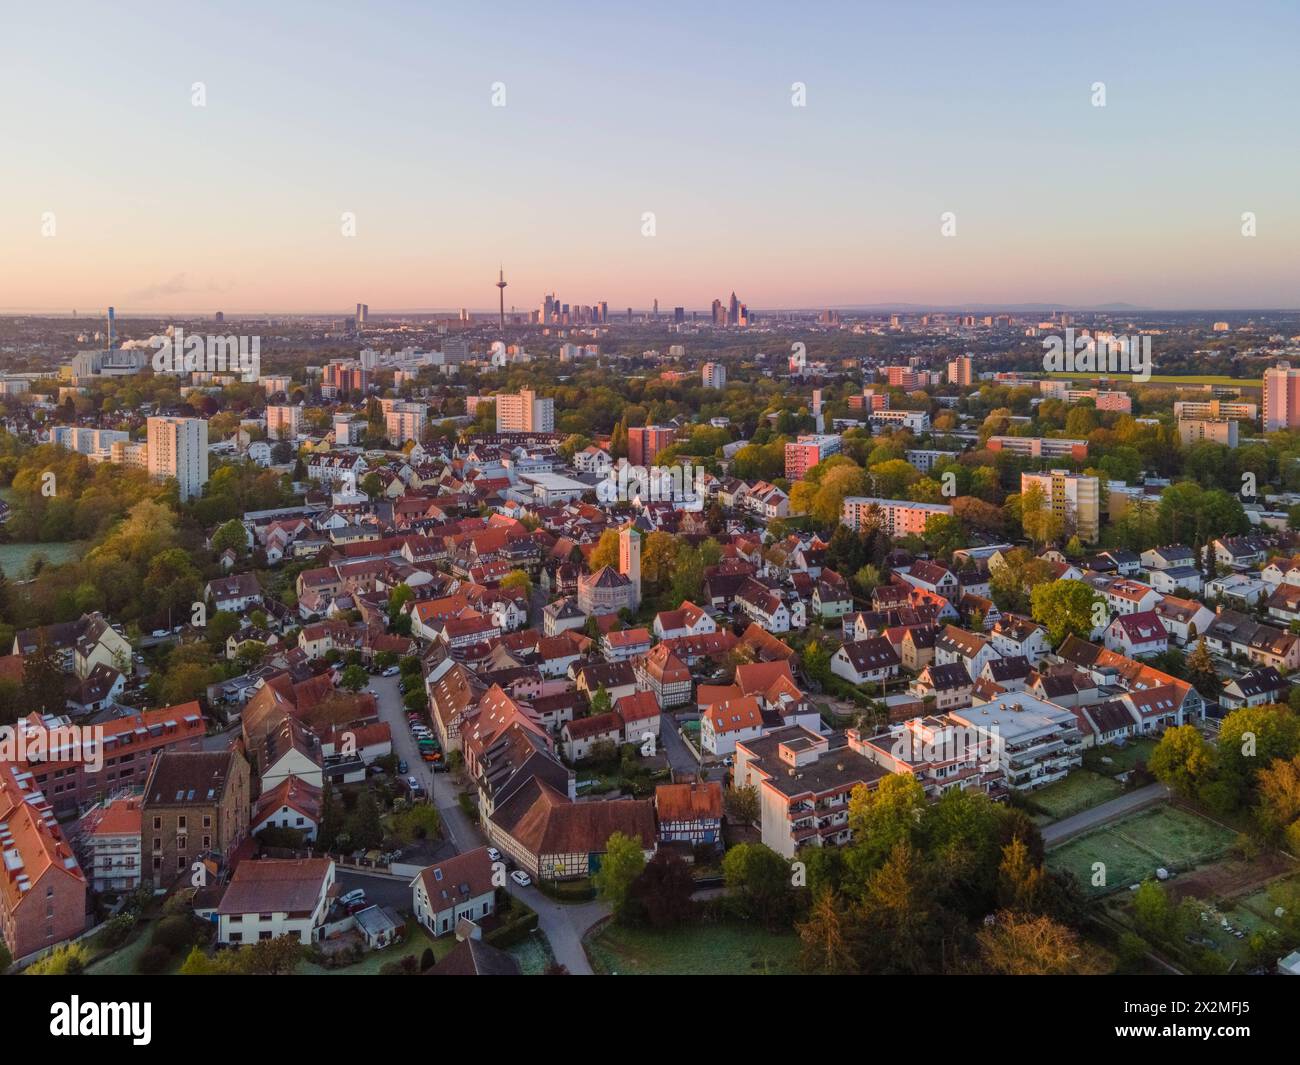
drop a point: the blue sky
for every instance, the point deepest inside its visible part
(384, 110)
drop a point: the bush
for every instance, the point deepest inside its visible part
(154, 960)
(67, 960)
(117, 931)
(173, 934)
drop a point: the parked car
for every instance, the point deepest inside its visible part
(353, 896)
(494, 854)
(391, 671)
(401, 766)
(521, 878)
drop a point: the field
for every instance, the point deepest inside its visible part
(1163, 379)
(698, 950)
(1132, 848)
(1081, 790)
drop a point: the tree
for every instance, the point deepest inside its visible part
(742, 805)
(601, 703)
(661, 894)
(354, 678)
(825, 937)
(364, 828)
(1182, 760)
(1201, 672)
(760, 880)
(1279, 801)
(1067, 608)
(1019, 944)
(1041, 523)
(517, 578)
(621, 864)
(43, 681)
(898, 915)
(605, 553)
(944, 533)
(231, 536)
(1020, 880)
(884, 816)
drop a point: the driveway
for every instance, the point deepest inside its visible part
(680, 758)
(382, 890)
(1107, 811)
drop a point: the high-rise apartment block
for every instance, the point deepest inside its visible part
(178, 447)
(283, 422)
(1281, 398)
(714, 375)
(1075, 497)
(524, 412)
(803, 454)
(645, 442)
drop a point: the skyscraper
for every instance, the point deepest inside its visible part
(178, 447)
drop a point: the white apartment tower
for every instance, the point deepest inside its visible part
(178, 447)
(524, 412)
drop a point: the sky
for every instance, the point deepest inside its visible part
(116, 189)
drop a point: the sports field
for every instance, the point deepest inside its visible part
(1132, 848)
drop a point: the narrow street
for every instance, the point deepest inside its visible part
(563, 923)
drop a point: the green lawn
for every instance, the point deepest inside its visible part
(1122, 759)
(1081, 790)
(1132, 848)
(695, 950)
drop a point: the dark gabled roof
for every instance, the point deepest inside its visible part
(473, 957)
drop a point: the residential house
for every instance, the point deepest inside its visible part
(276, 897)
(460, 888)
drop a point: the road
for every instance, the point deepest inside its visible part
(563, 923)
(1107, 811)
(437, 785)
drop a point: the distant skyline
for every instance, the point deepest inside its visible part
(387, 111)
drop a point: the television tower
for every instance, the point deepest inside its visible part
(501, 291)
